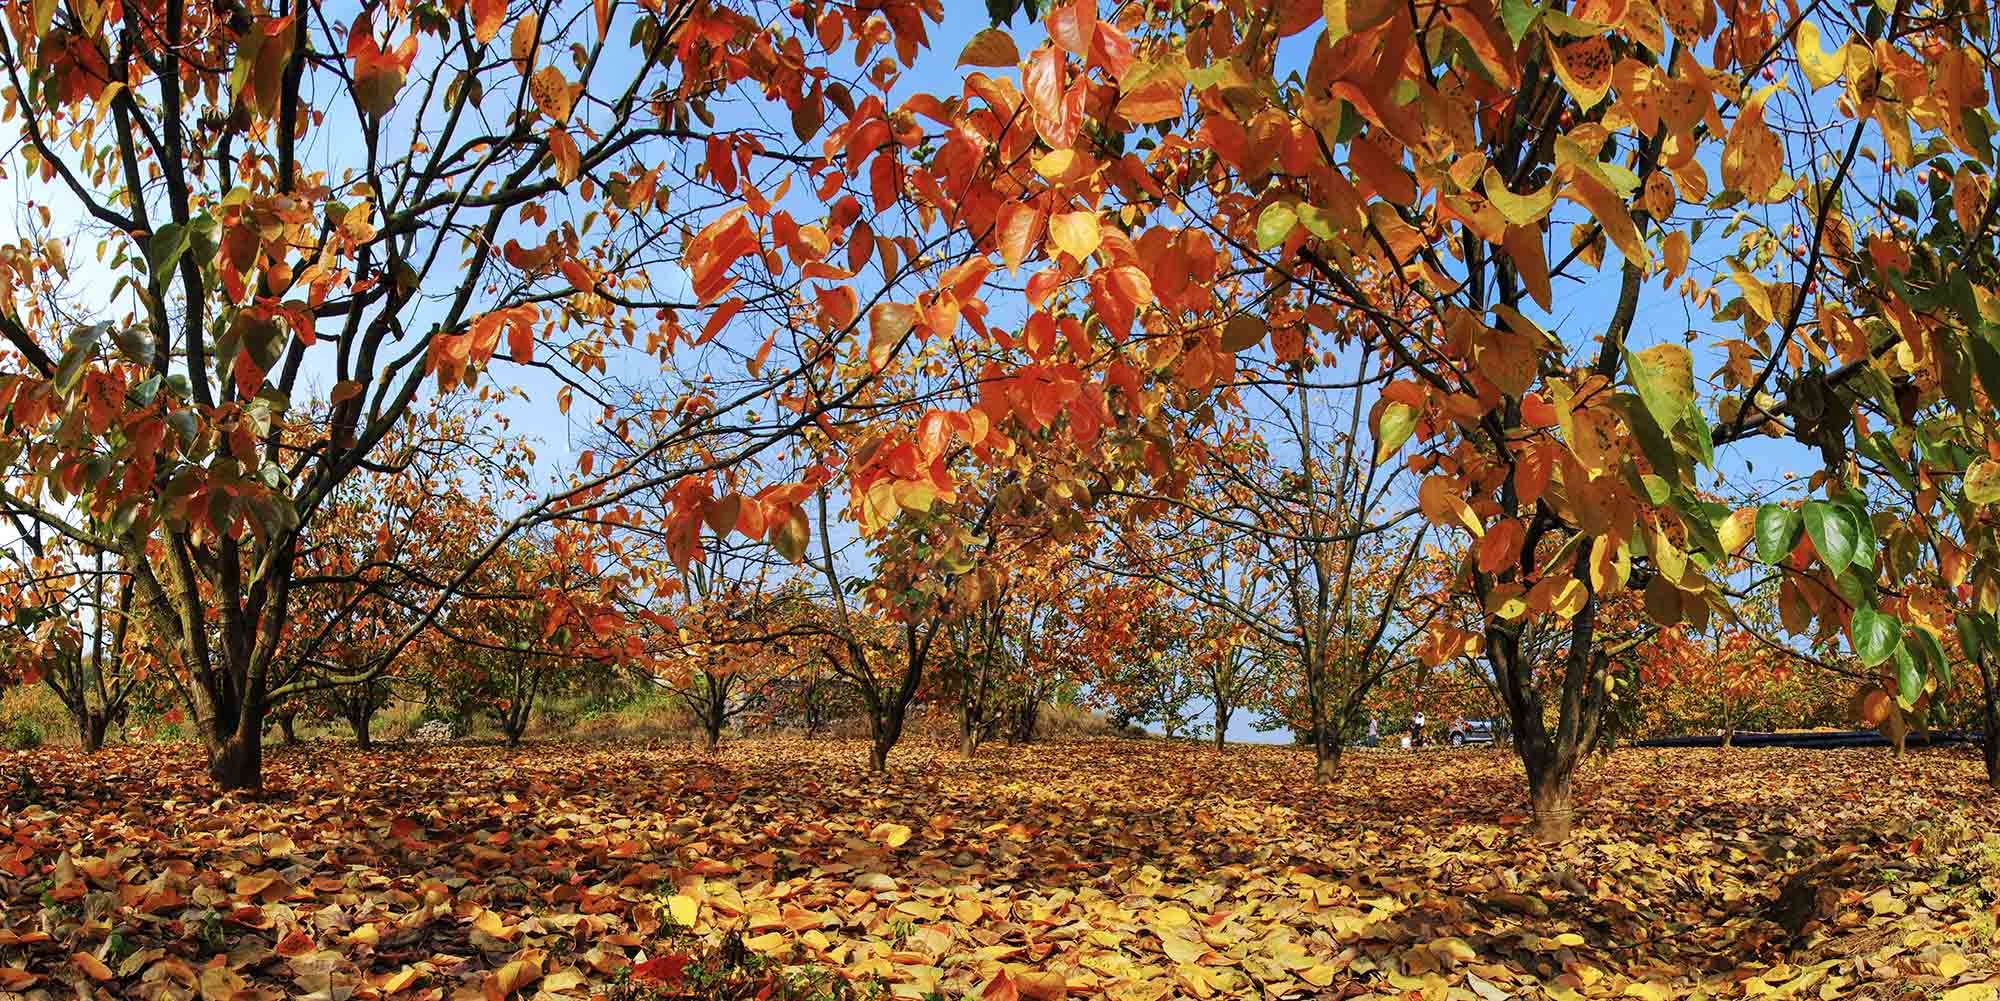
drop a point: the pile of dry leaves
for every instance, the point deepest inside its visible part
(1129, 870)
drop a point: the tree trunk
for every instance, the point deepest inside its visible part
(237, 761)
(1222, 714)
(711, 734)
(1989, 738)
(878, 755)
(358, 718)
(1549, 757)
(285, 729)
(90, 728)
(1728, 737)
(1031, 718)
(1550, 796)
(1326, 758)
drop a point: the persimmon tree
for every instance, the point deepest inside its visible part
(1006, 657)
(1417, 181)
(1294, 540)
(299, 201)
(71, 629)
(733, 639)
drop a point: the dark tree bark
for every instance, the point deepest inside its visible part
(359, 719)
(90, 729)
(1989, 737)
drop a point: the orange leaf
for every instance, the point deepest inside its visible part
(522, 45)
(1020, 229)
(990, 47)
(888, 322)
(92, 966)
(487, 16)
(578, 275)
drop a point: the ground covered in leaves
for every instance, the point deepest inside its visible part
(1120, 869)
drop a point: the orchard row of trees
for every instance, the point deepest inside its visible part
(1352, 332)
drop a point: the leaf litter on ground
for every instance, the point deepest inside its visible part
(1122, 869)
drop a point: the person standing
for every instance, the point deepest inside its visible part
(1417, 729)
(1375, 730)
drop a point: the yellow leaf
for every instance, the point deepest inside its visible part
(1821, 67)
(1610, 212)
(524, 41)
(1970, 992)
(766, 944)
(1441, 503)
(889, 834)
(1951, 964)
(1346, 17)
(1056, 163)
(1584, 67)
(550, 89)
(1519, 210)
(562, 980)
(401, 980)
(1181, 950)
(1753, 160)
(1755, 296)
(683, 909)
(1076, 234)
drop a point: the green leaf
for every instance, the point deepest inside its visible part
(1777, 532)
(1696, 432)
(1970, 637)
(1876, 636)
(1393, 428)
(82, 347)
(1864, 530)
(1973, 119)
(1909, 679)
(1664, 376)
(1275, 223)
(1833, 533)
(1880, 448)
(145, 393)
(1986, 362)
(1519, 16)
(1933, 654)
(164, 249)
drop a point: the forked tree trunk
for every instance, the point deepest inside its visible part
(285, 729)
(90, 728)
(1549, 757)
(885, 727)
(236, 761)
